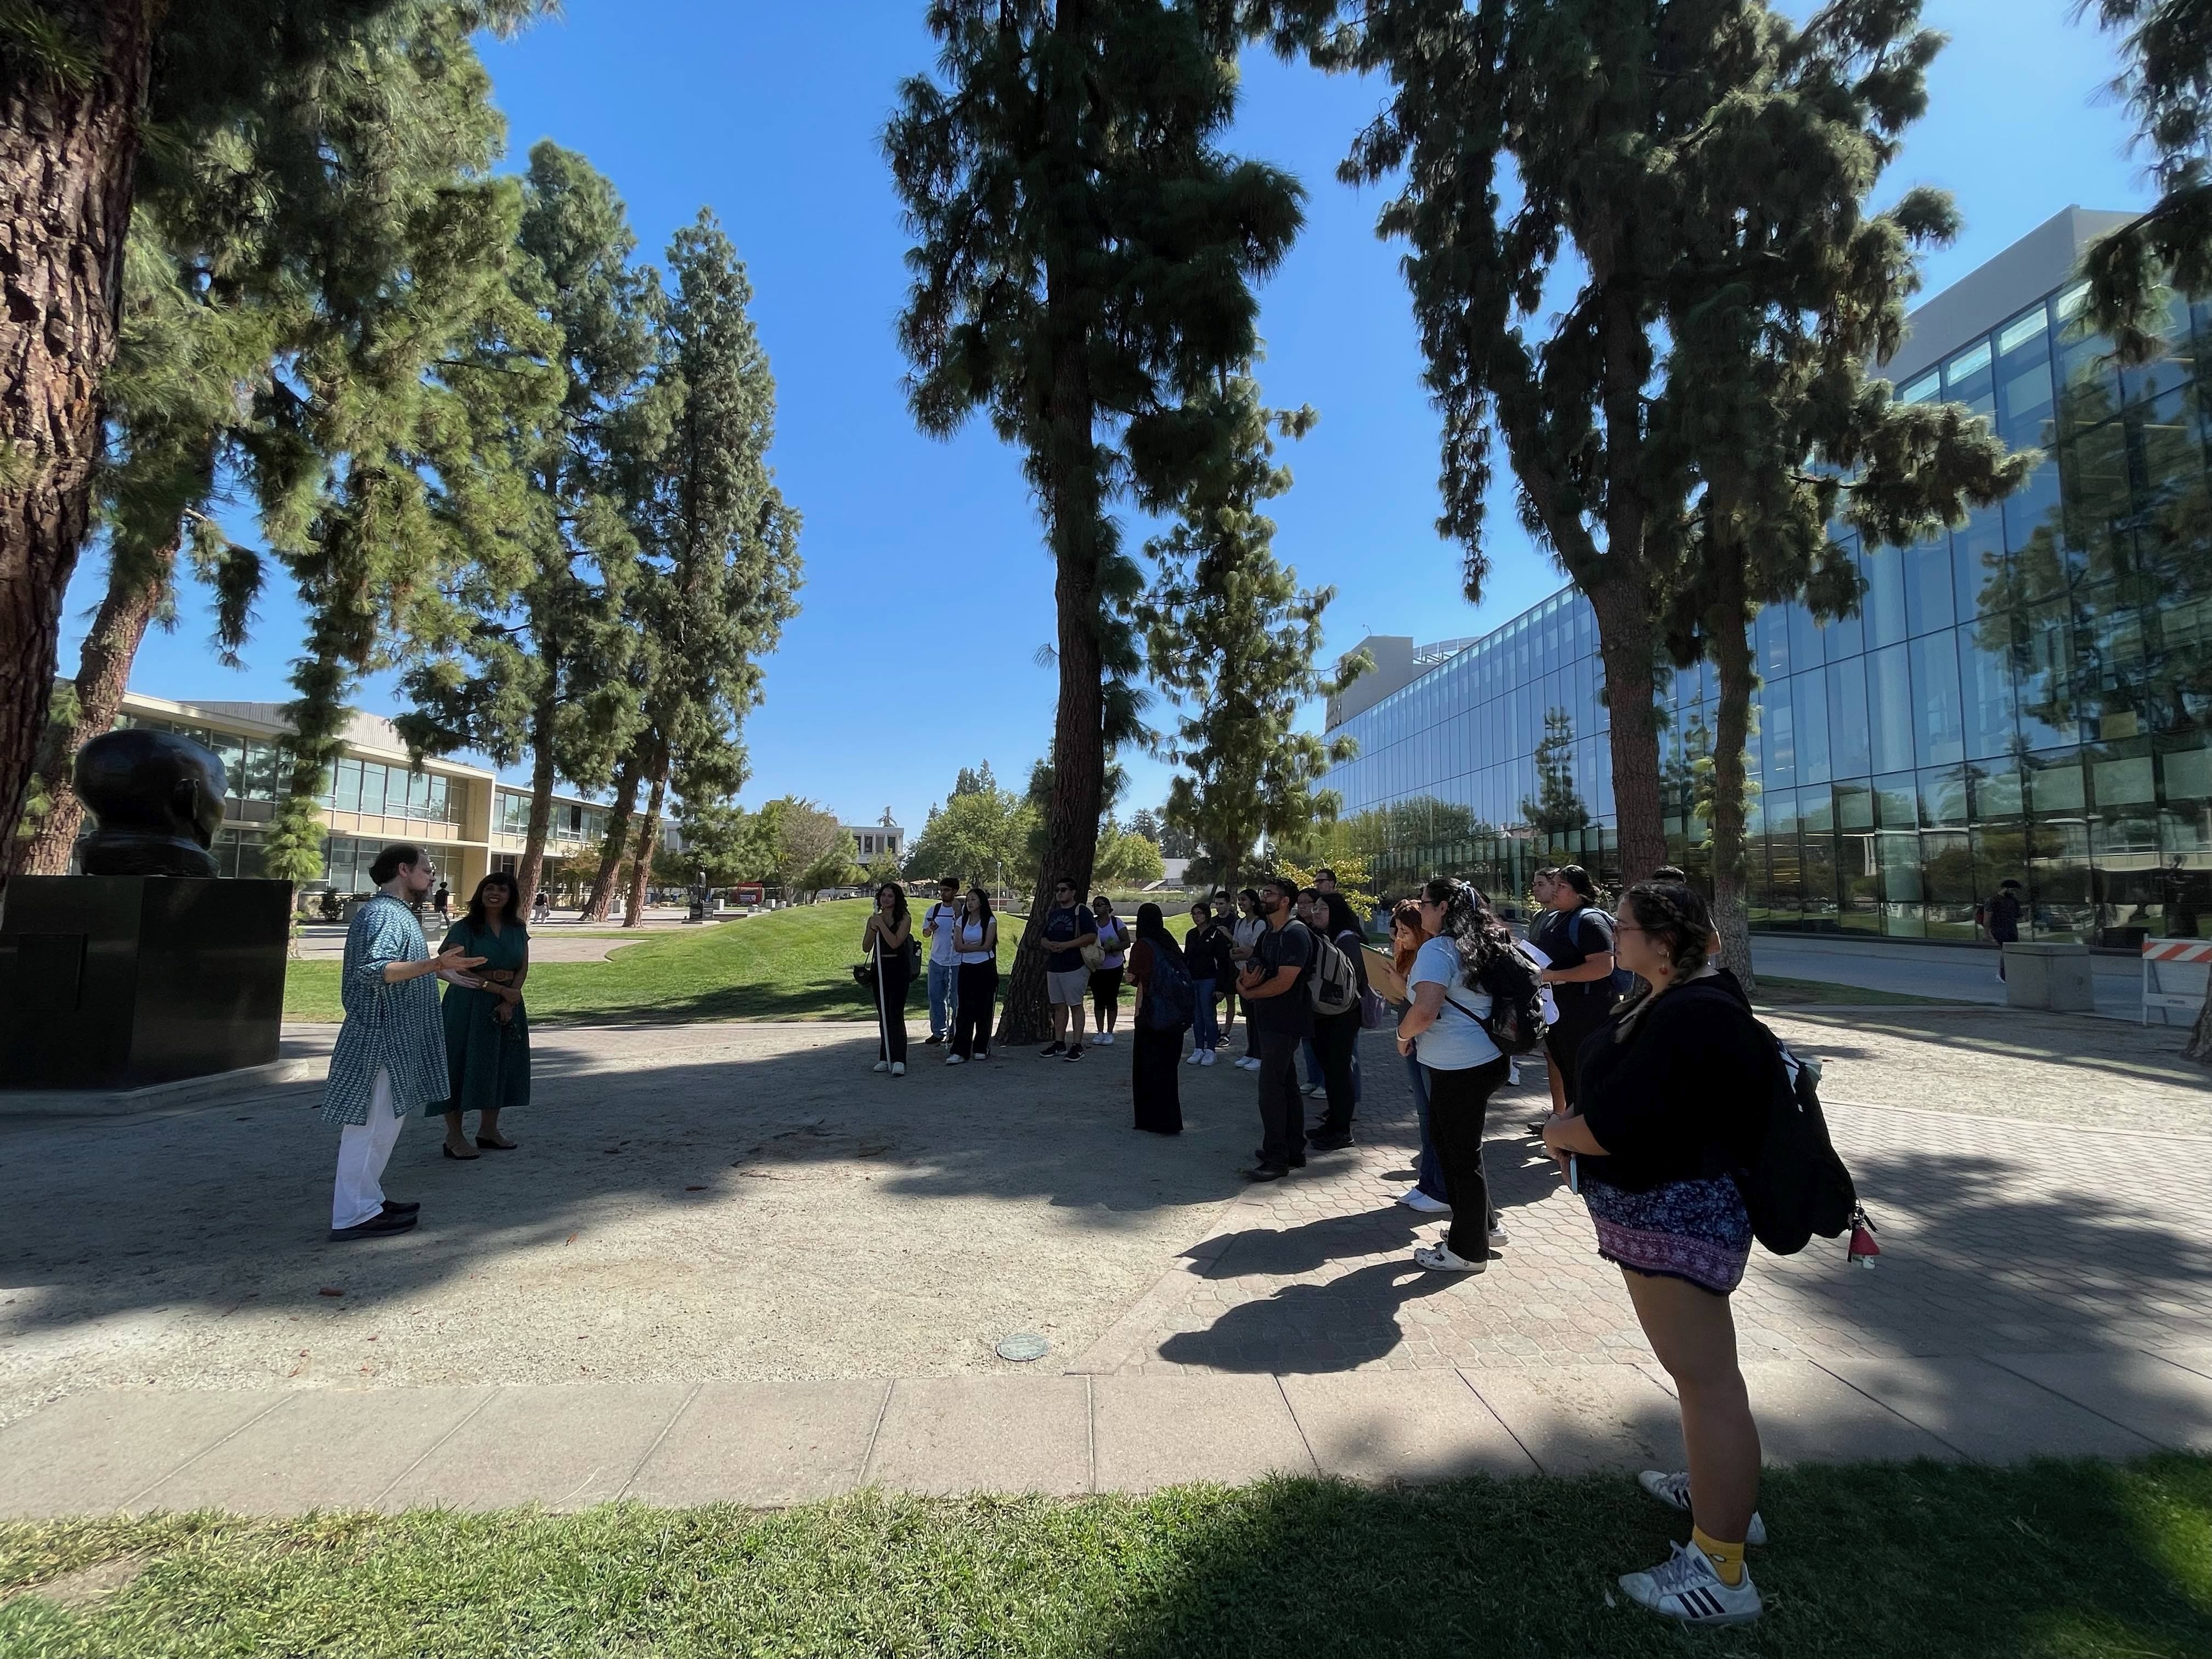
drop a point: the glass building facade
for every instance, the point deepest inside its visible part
(2026, 697)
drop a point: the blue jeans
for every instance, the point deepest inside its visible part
(1205, 1029)
(1313, 1079)
(943, 989)
(1429, 1171)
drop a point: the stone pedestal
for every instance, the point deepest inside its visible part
(2056, 978)
(123, 982)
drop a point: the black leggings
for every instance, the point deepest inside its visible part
(1105, 990)
(891, 1012)
(1577, 1019)
(1457, 1103)
(978, 985)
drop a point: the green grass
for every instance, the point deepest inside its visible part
(2047, 1561)
(1797, 992)
(787, 965)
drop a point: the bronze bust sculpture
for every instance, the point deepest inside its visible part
(158, 800)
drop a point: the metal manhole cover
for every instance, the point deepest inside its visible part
(1025, 1345)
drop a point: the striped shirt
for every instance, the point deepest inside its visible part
(393, 1027)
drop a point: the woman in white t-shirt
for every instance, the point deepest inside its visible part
(975, 939)
(1445, 1028)
(1106, 978)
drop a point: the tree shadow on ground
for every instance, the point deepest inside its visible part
(2079, 1042)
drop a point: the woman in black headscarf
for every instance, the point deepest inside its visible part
(1155, 1060)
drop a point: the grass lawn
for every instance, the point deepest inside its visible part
(787, 964)
(2063, 1560)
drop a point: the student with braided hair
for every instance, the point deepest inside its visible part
(1673, 1098)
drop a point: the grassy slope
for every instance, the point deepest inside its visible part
(2048, 1561)
(788, 964)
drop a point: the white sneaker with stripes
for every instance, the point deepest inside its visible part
(1673, 1491)
(1685, 1587)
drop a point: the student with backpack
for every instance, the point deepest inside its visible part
(1674, 1097)
(1336, 1031)
(1470, 987)
(1166, 999)
(1577, 936)
(1278, 1013)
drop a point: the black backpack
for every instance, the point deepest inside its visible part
(1516, 1009)
(1794, 1184)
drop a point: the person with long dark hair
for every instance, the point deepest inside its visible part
(1577, 936)
(1386, 974)
(1206, 948)
(487, 1029)
(885, 940)
(1336, 1036)
(975, 939)
(1672, 1100)
(1154, 1089)
(1447, 1027)
(1107, 980)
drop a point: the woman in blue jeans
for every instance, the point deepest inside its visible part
(1206, 948)
(1386, 974)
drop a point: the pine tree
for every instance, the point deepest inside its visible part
(549, 657)
(1558, 808)
(1231, 636)
(1083, 261)
(82, 82)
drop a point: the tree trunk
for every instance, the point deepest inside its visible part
(103, 674)
(1729, 640)
(67, 157)
(1625, 630)
(601, 896)
(648, 837)
(529, 874)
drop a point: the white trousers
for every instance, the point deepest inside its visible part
(363, 1150)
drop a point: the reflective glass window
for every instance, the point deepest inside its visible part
(1928, 600)
(2032, 509)
(1808, 697)
(1939, 719)
(2023, 380)
(346, 796)
(2054, 783)
(1986, 670)
(1977, 563)
(1806, 640)
(1996, 789)
(1889, 708)
(1967, 380)
(2125, 782)
(1779, 735)
(1883, 608)
(1850, 738)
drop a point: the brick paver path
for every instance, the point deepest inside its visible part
(1999, 1234)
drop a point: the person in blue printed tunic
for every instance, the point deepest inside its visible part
(390, 1060)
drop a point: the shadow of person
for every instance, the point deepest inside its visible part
(1311, 1327)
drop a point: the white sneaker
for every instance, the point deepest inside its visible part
(1439, 1259)
(1197, 1057)
(883, 1066)
(1685, 1587)
(898, 1068)
(1206, 1057)
(1105, 1039)
(1497, 1236)
(956, 1060)
(1247, 1063)
(1673, 1491)
(1414, 1198)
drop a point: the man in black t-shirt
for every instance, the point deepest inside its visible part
(1279, 1010)
(1068, 927)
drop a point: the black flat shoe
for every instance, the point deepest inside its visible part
(1328, 1143)
(395, 1206)
(497, 1145)
(458, 1157)
(1267, 1172)
(375, 1227)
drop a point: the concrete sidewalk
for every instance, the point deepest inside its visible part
(1948, 973)
(769, 1444)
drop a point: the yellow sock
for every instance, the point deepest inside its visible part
(1726, 1558)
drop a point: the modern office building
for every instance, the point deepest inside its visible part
(472, 822)
(2025, 697)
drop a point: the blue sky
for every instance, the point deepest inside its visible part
(927, 591)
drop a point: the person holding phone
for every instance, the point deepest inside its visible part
(1386, 972)
(976, 935)
(885, 939)
(1106, 978)
(1672, 1098)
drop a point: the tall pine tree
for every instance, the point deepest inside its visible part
(1084, 258)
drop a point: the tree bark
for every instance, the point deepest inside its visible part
(1624, 631)
(67, 158)
(529, 874)
(601, 896)
(103, 674)
(1729, 641)
(648, 837)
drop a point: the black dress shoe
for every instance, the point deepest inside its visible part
(397, 1207)
(375, 1227)
(1321, 1143)
(1260, 1155)
(1259, 1172)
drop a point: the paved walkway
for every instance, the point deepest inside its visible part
(1950, 973)
(719, 1242)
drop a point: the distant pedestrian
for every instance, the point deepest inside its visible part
(1386, 974)
(1106, 981)
(541, 907)
(887, 940)
(2000, 919)
(390, 1057)
(443, 902)
(487, 1028)
(1577, 936)
(1244, 938)
(944, 956)
(1279, 1011)
(1206, 948)
(1336, 1036)
(975, 933)
(1674, 1096)
(1067, 929)
(1154, 1089)
(1448, 1028)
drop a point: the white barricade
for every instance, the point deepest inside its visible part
(2174, 972)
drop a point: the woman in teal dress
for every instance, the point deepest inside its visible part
(486, 1032)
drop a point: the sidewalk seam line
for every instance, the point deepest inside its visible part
(666, 1429)
(2123, 1428)
(1496, 1417)
(876, 1432)
(275, 1406)
(1284, 1394)
(467, 1417)
(1892, 1410)
(1090, 1428)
